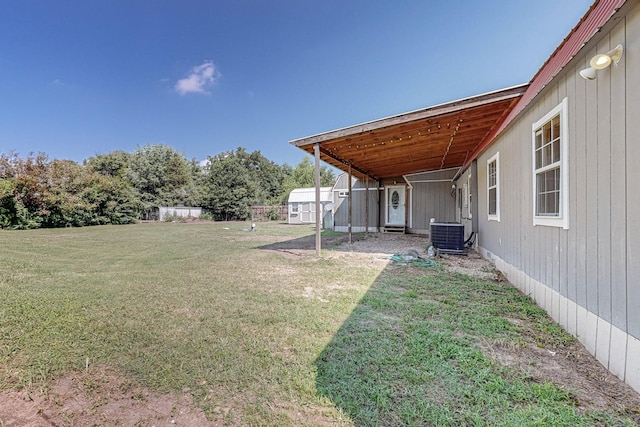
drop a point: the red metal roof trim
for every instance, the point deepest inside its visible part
(595, 18)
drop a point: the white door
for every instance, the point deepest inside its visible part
(395, 211)
(308, 213)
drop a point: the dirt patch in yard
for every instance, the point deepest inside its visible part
(99, 397)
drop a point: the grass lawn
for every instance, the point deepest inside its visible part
(263, 337)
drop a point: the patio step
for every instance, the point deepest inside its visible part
(401, 229)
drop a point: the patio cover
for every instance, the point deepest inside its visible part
(439, 137)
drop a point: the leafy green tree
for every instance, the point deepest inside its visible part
(31, 188)
(36, 192)
(62, 201)
(161, 176)
(78, 196)
(116, 187)
(267, 176)
(236, 180)
(110, 164)
(13, 215)
(231, 189)
(112, 199)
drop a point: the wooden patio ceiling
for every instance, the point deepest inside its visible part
(439, 137)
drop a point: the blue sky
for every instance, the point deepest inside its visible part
(80, 78)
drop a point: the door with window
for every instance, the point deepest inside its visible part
(395, 212)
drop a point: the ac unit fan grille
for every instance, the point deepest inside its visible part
(448, 236)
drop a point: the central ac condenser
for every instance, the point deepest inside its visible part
(447, 236)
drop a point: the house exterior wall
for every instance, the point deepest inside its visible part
(587, 276)
(466, 206)
(358, 198)
(432, 196)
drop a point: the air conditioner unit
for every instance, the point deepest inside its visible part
(447, 236)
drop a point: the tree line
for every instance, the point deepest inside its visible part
(119, 187)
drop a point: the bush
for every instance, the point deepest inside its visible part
(206, 216)
(274, 213)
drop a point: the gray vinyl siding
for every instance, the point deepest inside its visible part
(432, 200)
(465, 214)
(426, 200)
(440, 175)
(358, 191)
(626, 197)
(432, 197)
(596, 262)
(341, 216)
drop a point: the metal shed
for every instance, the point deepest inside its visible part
(178, 212)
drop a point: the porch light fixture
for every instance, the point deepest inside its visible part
(588, 73)
(602, 61)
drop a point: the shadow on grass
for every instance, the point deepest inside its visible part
(408, 355)
(374, 370)
(306, 243)
(336, 241)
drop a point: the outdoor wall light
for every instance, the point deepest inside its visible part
(588, 73)
(602, 61)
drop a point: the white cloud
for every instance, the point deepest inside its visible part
(202, 76)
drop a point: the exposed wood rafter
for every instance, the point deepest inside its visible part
(433, 138)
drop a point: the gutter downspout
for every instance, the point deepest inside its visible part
(475, 199)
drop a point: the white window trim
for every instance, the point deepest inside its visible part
(495, 158)
(562, 220)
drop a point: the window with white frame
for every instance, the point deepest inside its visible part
(493, 188)
(550, 168)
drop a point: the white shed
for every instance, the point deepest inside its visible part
(302, 204)
(178, 212)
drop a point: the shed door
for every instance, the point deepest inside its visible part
(308, 213)
(395, 205)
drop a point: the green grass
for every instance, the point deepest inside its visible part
(408, 356)
(279, 338)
